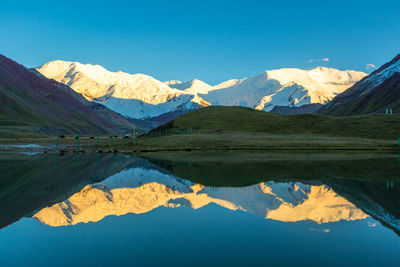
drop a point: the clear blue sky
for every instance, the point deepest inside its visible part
(210, 40)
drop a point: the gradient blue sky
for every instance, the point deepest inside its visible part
(210, 40)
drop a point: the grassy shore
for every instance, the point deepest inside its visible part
(237, 128)
(254, 141)
(247, 120)
(208, 141)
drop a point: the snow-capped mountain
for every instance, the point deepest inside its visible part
(140, 190)
(136, 96)
(283, 87)
(373, 94)
(95, 82)
(140, 96)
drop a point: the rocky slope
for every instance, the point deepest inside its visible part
(373, 94)
(31, 104)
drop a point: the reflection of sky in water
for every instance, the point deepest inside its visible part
(210, 235)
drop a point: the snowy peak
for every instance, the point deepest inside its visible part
(227, 83)
(94, 82)
(322, 83)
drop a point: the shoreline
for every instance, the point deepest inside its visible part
(196, 142)
(134, 151)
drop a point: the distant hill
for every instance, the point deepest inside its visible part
(34, 105)
(373, 94)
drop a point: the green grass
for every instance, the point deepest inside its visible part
(240, 119)
(244, 128)
(238, 128)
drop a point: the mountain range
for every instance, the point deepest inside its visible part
(140, 96)
(69, 97)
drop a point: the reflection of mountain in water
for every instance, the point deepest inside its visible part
(71, 189)
(141, 190)
(368, 180)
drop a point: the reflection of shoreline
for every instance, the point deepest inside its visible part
(30, 183)
(225, 169)
(377, 199)
(270, 155)
(149, 189)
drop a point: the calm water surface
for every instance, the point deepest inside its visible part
(188, 209)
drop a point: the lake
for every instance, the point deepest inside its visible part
(191, 208)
